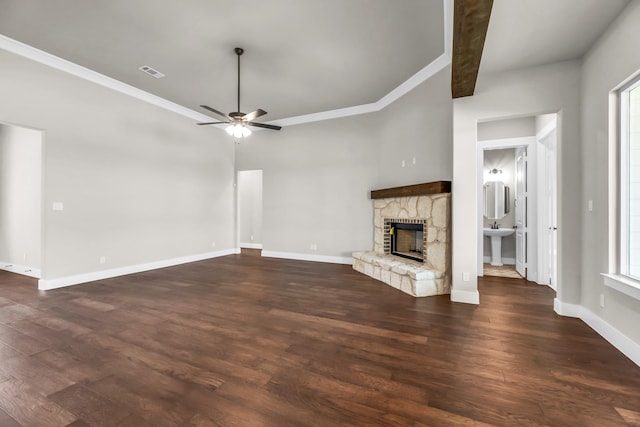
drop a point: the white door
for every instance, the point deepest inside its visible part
(521, 210)
(551, 189)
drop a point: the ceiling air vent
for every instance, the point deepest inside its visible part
(154, 73)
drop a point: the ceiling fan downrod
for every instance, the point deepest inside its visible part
(239, 51)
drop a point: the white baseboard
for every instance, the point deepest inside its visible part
(566, 309)
(20, 269)
(505, 261)
(467, 297)
(251, 245)
(308, 257)
(48, 284)
(616, 338)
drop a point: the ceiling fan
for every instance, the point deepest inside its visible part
(239, 122)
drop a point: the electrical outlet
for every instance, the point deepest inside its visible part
(403, 163)
(602, 300)
(465, 276)
(103, 259)
(57, 206)
(313, 247)
(213, 244)
(252, 237)
(590, 205)
(24, 256)
(414, 160)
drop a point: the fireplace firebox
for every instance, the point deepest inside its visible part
(406, 240)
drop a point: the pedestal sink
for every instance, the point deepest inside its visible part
(496, 235)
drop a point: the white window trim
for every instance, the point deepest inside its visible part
(624, 284)
(618, 277)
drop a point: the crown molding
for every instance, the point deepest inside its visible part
(438, 64)
(421, 76)
(69, 67)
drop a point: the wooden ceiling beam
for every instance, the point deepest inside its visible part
(470, 23)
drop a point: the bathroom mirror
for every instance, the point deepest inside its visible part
(496, 200)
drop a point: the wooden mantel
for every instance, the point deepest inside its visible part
(435, 187)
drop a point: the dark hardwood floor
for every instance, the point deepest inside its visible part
(250, 341)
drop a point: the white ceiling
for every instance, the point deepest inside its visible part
(302, 57)
(525, 33)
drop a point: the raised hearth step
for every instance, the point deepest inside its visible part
(410, 277)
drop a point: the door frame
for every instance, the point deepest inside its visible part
(250, 244)
(522, 196)
(543, 209)
(38, 272)
(496, 144)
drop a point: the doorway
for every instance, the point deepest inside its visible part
(506, 162)
(535, 194)
(249, 210)
(21, 200)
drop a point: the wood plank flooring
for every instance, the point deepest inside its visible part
(250, 341)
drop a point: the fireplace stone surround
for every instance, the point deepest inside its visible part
(428, 204)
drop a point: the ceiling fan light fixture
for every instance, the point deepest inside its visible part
(238, 130)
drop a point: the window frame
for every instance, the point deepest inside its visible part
(618, 277)
(624, 177)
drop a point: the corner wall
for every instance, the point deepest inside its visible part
(317, 176)
(139, 185)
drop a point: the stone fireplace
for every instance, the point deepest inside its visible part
(412, 239)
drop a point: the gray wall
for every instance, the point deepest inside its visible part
(417, 125)
(20, 196)
(139, 183)
(614, 58)
(317, 176)
(508, 128)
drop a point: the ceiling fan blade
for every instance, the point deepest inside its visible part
(213, 110)
(264, 125)
(254, 115)
(212, 123)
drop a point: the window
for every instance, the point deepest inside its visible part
(624, 238)
(630, 181)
